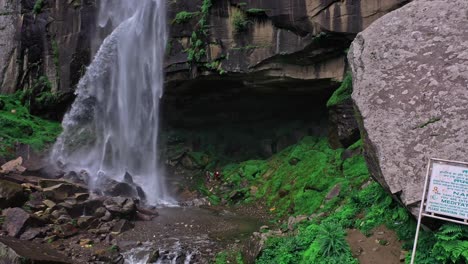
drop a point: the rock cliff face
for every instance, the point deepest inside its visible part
(269, 41)
(257, 50)
(49, 38)
(410, 72)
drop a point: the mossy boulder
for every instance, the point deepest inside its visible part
(11, 194)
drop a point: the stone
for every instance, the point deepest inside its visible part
(100, 212)
(85, 221)
(85, 241)
(293, 220)
(16, 220)
(114, 188)
(121, 226)
(62, 191)
(49, 204)
(120, 205)
(343, 129)
(153, 257)
(128, 178)
(334, 192)
(410, 78)
(11, 194)
(35, 232)
(21, 251)
(65, 230)
(13, 166)
(63, 219)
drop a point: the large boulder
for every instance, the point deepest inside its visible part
(410, 72)
(16, 220)
(14, 251)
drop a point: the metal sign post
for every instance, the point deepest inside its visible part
(446, 185)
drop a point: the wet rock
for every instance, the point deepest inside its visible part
(62, 191)
(63, 219)
(20, 251)
(16, 221)
(81, 197)
(73, 208)
(144, 217)
(11, 194)
(153, 257)
(57, 213)
(100, 212)
(35, 232)
(106, 217)
(147, 210)
(128, 178)
(122, 226)
(121, 206)
(50, 204)
(85, 221)
(90, 206)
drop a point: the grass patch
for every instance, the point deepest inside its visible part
(19, 126)
(343, 92)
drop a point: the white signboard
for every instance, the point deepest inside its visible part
(448, 190)
(445, 194)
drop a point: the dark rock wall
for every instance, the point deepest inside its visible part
(53, 42)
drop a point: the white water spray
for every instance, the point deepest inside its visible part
(112, 126)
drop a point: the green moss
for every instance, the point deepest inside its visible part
(343, 92)
(256, 11)
(183, 17)
(38, 5)
(18, 126)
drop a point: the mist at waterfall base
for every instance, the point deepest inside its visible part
(112, 127)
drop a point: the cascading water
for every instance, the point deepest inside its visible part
(112, 126)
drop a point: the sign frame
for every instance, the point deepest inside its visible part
(423, 212)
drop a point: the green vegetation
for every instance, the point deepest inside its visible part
(113, 248)
(343, 92)
(231, 256)
(251, 47)
(39, 95)
(19, 126)
(183, 17)
(296, 180)
(197, 47)
(239, 20)
(256, 11)
(216, 66)
(38, 5)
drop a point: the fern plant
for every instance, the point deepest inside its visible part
(452, 244)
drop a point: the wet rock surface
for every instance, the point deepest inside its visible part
(410, 77)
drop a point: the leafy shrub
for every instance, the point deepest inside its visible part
(38, 5)
(183, 17)
(239, 21)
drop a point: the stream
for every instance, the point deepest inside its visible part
(185, 235)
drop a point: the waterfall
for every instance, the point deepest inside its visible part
(112, 127)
